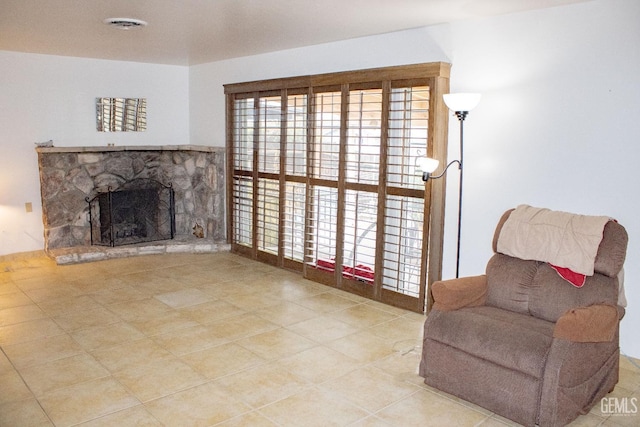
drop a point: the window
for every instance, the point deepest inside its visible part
(323, 180)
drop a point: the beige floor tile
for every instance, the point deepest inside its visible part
(588, 420)
(203, 405)
(236, 327)
(459, 401)
(400, 312)
(222, 360)
(249, 419)
(42, 350)
(348, 295)
(400, 328)
(369, 388)
(23, 413)
(97, 337)
(326, 302)
(158, 378)
(276, 343)
(211, 311)
(191, 274)
(136, 416)
(89, 284)
(74, 320)
(13, 387)
(497, 421)
(8, 287)
(85, 401)
(429, 409)
(219, 289)
(58, 306)
(235, 276)
(183, 298)
(14, 299)
(319, 364)
(295, 288)
(314, 408)
(286, 313)
(627, 420)
(371, 421)
(323, 328)
(159, 324)
(140, 310)
(363, 346)
(29, 331)
(62, 373)
(629, 378)
(263, 384)
(22, 313)
(119, 295)
(158, 283)
(363, 316)
(5, 365)
(131, 354)
(402, 365)
(630, 363)
(59, 291)
(252, 301)
(188, 340)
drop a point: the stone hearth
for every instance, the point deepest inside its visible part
(69, 176)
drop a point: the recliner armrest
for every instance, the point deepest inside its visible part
(595, 323)
(453, 294)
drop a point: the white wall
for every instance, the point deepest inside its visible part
(557, 126)
(207, 94)
(50, 97)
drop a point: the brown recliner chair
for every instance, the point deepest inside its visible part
(523, 342)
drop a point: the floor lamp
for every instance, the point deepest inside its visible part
(460, 104)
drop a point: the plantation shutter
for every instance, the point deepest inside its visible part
(323, 178)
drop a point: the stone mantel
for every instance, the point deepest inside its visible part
(69, 176)
(110, 148)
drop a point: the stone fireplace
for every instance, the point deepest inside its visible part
(77, 184)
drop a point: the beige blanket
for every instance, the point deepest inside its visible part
(559, 238)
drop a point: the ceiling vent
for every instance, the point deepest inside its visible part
(125, 23)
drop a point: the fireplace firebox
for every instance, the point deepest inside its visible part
(142, 210)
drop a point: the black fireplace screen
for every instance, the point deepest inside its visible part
(142, 210)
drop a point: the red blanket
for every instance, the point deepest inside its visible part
(576, 279)
(360, 272)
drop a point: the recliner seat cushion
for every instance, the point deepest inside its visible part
(513, 340)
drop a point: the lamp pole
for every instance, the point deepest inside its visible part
(460, 104)
(461, 116)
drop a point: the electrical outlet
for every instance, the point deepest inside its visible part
(28, 207)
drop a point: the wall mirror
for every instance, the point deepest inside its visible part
(121, 114)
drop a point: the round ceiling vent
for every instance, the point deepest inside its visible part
(125, 23)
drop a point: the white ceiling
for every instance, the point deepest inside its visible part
(188, 32)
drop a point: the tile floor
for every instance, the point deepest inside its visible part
(215, 339)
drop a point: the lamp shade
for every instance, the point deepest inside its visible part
(461, 101)
(427, 164)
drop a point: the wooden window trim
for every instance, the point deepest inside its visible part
(436, 75)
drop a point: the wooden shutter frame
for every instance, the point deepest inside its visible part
(437, 74)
